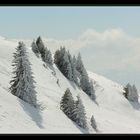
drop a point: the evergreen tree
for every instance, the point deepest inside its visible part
(93, 123)
(84, 83)
(70, 65)
(93, 97)
(50, 60)
(67, 103)
(74, 110)
(41, 47)
(61, 59)
(131, 93)
(22, 84)
(125, 93)
(79, 115)
(67, 67)
(128, 90)
(79, 64)
(74, 71)
(135, 93)
(48, 57)
(58, 57)
(35, 48)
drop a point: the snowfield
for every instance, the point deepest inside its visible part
(113, 113)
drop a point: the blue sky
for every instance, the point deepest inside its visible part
(107, 37)
(66, 22)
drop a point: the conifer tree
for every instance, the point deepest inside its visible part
(79, 64)
(93, 123)
(41, 47)
(48, 57)
(131, 93)
(93, 97)
(67, 103)
(61, 59)
(74, 71)
(85, 82)
(35, 48)
(22, 84)
(79, 115)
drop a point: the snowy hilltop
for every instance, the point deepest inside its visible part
(45, 92)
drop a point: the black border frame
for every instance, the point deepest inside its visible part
(50, 3)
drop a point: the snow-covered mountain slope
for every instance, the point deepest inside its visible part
(113, 113)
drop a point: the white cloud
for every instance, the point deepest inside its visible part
(110, 49)
(113, 52)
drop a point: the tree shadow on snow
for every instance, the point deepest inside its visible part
(135, 105)
(85, 131)
(33, 112)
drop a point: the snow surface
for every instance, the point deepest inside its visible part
(112, 112)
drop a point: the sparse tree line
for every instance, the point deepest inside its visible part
(71, 67)
(74, 70)
(22, 84)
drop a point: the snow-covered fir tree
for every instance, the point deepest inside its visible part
(131, 93)
(61, 59)
(58, 57)
(128, 90)
(67, 103)
(70, 64)
(48, 57)
(78, 114)
(35, 48)
(93, 96)
(22, 84)
(74, 71)
(45, 53)
(74, 110)
(41, 47)
(93, 123)
(125, 93)
(67, 70)
(79, 64)
(135, 93)
(84, 83)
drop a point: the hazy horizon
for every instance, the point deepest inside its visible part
(107, 37)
